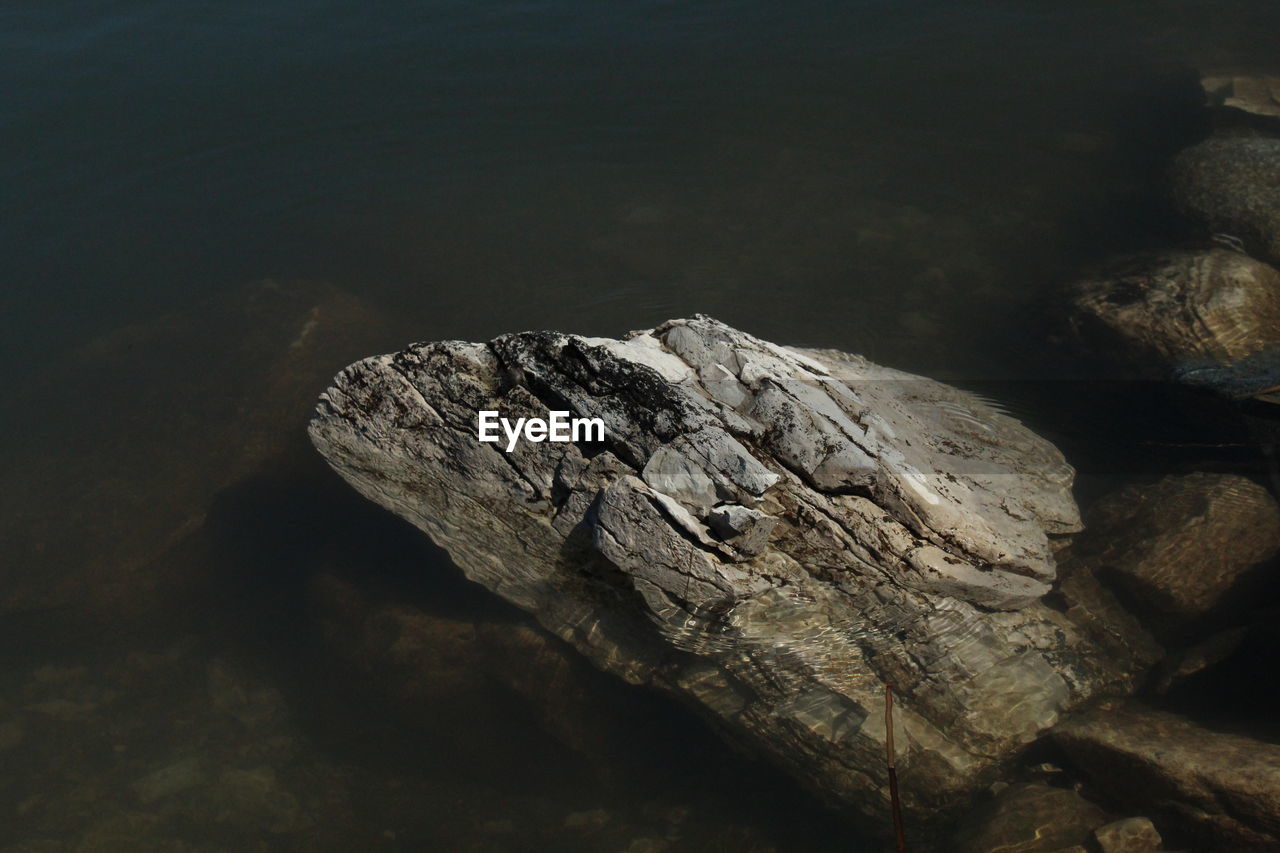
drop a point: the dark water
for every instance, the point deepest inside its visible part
(907, 180)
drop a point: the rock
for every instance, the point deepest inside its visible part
(1131, 835)
(1182, 545)
(1029, 818)
(911, 541)
(1257, 95)
(101, 496)
(1105, 623)
(1230, 187)
(1209, 318)
(172, 779)
(1223, 789)
(745, 528)
(1190, 661)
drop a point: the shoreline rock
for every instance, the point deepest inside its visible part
(907, 542)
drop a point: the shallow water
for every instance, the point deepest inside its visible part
(909, 181)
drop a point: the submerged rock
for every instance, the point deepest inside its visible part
(1131, 835)
(869, 526)
(1230, 188)
(1253, 94)
(433, 666)
(1179, 547)
(1030, 818)
(131, 438)
(1222, 789)
(1205, 318)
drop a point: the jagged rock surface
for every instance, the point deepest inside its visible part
(770, 533)
(1223, 789)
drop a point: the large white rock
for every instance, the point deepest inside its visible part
(771, 534)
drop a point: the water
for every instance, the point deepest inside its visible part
(910, 181)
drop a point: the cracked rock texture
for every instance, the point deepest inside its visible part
(769, 533)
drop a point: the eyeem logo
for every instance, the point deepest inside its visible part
(558, 426)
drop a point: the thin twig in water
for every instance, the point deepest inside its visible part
(899, 835)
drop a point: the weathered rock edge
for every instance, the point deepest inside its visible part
(767, 532)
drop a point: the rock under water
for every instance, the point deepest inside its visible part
(1227, 187)
(1222, 790)
(771, 534)
(1209, 319)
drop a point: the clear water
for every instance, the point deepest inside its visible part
(907, 180)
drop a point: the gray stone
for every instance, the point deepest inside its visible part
(1223, 789)
(1230, 187)
(1131, 835)
(910, 541)
(675, 474)
(745, 528)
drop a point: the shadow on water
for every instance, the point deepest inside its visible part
(283, 527)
